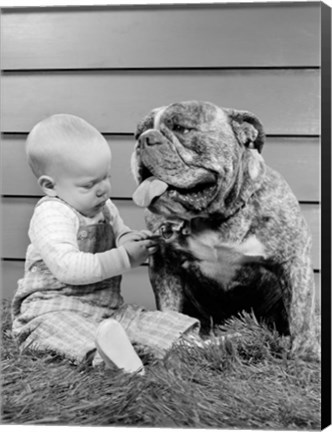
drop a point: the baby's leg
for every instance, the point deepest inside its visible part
(159, 331)
(77, 337)
(156, 330)
(64, 332)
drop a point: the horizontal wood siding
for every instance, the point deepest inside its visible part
(150, 37)
(297, 159)
(16, 213)
(136, 287)
(114, 101)
(112, 65)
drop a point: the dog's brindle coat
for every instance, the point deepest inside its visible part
(234, 238)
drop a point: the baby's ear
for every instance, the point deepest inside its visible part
(47, 184)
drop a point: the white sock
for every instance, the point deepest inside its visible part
(115, 348)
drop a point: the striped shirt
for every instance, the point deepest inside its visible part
(53, 234)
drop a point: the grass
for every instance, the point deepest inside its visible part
(246, 383)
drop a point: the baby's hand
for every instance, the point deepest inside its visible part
(136, 235)
(140, 250)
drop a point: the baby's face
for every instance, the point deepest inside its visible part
(83, 180)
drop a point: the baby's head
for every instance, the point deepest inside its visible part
(72, 161)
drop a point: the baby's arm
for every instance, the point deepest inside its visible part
(135, 236)
(53, 232)
(122, 232)
(138, 244)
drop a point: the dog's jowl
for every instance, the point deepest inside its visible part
(232, 234)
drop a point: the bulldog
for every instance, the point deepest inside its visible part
(232, 236)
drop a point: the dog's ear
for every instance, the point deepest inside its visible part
(247, 128)
(147, 122)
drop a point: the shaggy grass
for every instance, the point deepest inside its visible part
(246, 383)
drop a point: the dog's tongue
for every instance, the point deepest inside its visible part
(149, 189)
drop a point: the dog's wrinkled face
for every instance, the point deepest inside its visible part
(187, 157)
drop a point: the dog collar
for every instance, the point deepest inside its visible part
(169, 230)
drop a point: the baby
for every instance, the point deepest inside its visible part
(69, 300)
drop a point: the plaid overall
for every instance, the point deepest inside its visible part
(49, 315)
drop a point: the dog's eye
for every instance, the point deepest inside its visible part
(181, 129)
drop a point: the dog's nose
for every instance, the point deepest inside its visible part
(150, 138)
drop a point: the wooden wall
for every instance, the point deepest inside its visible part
(111, 65)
